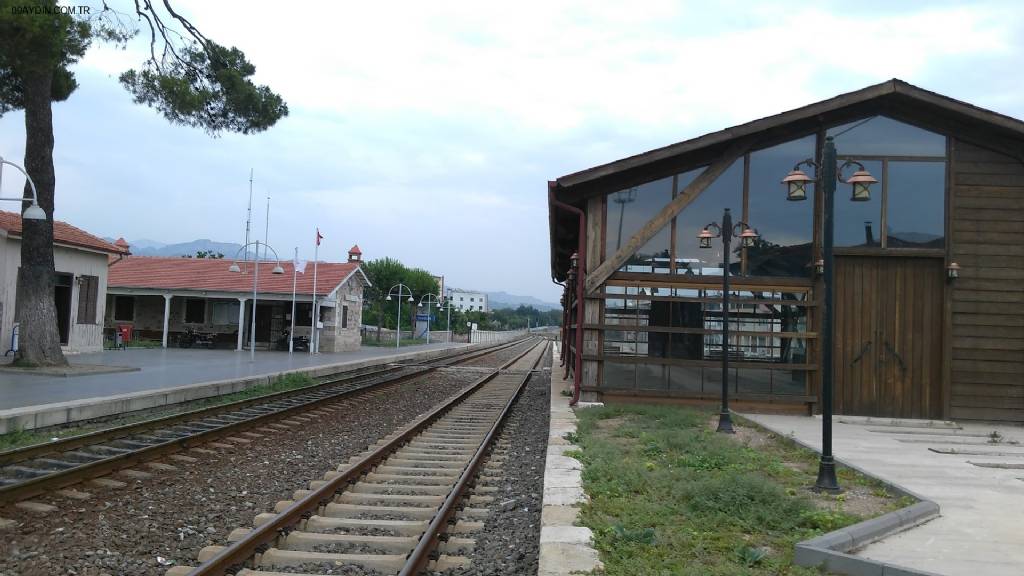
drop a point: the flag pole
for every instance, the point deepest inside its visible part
(315, 340)
(295, 275)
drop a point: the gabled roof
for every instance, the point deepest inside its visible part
(893, 98)
(63, 233)
(207, 274)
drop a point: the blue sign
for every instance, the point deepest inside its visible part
(424, 317)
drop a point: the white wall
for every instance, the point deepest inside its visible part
(470, 301)
(77, 262)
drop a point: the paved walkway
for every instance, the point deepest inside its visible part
(980, 531)
(160, 368)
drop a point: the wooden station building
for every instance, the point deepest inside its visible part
(929, 273)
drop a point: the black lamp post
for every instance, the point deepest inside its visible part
(796, 183)
(726, 231)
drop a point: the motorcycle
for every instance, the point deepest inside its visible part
(193, 337)
(299, 343)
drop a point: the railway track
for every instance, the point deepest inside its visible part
(33, 470)
(410, 503)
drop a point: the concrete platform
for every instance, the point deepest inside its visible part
(979, 531)
(167, 376)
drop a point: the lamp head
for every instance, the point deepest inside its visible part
(861, 181)
(388, 298)
(796, 185)
(705, 237)
(34, 212)
(410, 299)
(748, 237)
(277, 270)
(234, 267)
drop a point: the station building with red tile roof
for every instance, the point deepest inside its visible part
(162, 298)
(80, 261)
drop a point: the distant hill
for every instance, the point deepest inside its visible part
(153, 248)
(498, 300)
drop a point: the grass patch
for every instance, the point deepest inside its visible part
(671, 496)
(22, 438)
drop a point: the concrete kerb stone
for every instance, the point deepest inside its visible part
(565, 548)
(830, 551)
(60, 413)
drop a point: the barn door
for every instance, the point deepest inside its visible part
(888, 336)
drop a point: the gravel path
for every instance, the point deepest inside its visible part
(497, 358)
(165, 520)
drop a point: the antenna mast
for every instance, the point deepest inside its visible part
(248, 220)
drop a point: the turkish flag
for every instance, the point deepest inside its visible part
(319, 236)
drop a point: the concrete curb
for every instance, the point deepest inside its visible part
(45, 415)
(830, 551)
(565, 548)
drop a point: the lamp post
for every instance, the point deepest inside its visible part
(255, 283)
(726, 230)
(402, 291)
(448, 326)
(431, 299)
(796, 190)
(33, 212)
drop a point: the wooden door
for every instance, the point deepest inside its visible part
(888, 338)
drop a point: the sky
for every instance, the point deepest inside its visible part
(426, 131)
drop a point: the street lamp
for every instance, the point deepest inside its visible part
(401, 287)
(33, 212)
(255, 282)
(431, 299)
(796, 189)
(726, 231)
(448, 327)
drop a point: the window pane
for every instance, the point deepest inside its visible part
(789, 382)
(652, 377)
(917, 205)
(754, 381)
(859, 223)
(784, 248)
(685, 379)
(725, 192)
(628, 211)
(195, 311)
(879, 135)
(618, 375)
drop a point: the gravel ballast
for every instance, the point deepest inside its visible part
(165, 520)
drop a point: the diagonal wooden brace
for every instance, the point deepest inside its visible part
(601, 274)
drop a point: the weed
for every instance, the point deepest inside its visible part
(750, 556)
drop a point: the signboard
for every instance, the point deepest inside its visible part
(424, 317)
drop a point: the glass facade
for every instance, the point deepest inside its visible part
(663, 337)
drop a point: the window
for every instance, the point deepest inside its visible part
(628, 211)
(908, 207)
(725, 192)
(472, 299)
(88, 296)
(344, 316)
(226, 313)
(195, 311)
(124, 308)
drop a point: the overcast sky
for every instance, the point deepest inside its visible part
(426, 131)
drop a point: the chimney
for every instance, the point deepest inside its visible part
(355, 254)
(869, 237)
(123, 245)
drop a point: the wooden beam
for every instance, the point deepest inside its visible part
(599, 275)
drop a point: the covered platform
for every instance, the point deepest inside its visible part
(164, 376)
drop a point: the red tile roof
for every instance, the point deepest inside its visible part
(164, 273)
(63, 233)
(355, 250)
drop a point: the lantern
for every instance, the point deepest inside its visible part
(747, 238)
(796, 185)
(861, 181)
(705, 237)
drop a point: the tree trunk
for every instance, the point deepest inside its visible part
(39, 342)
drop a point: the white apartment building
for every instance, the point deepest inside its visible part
(468, 301)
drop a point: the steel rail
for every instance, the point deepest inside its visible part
(237, 553)
(420, 556)
(62, 478)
